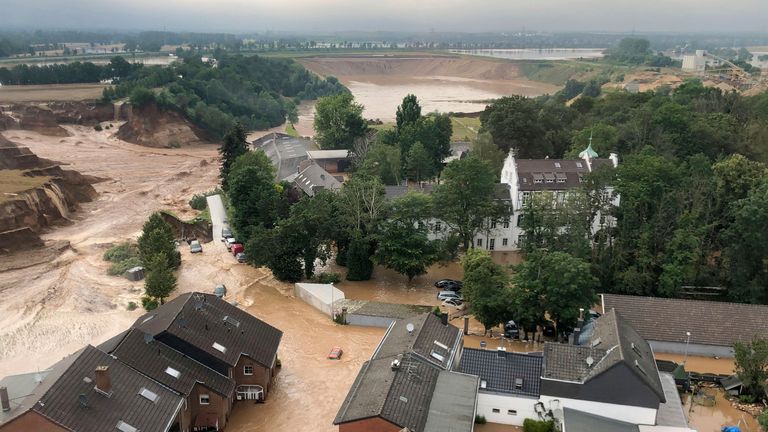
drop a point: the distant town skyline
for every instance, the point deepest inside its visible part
(324, 16)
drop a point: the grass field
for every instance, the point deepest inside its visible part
(50, 92)
(464, 128)
(14, 181)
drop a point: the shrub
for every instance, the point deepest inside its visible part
(480, 419)
(121, 252)
(747, 398)
(339, 319)
(530, 425)
(328, 278)
(98, 128)
(120, 267)
(174, 143)
(132, 306)
(148, 303)
(199, 202)
(437, 312)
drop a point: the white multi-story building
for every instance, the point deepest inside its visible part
(526, 177)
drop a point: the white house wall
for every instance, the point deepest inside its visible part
(521, 406)
(625, 413)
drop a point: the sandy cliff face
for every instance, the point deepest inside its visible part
(53, 195)
(153, 126)
(46, 118)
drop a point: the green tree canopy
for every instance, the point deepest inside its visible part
(466, 198)
(383, 161)
(419, 164)
(752, 365)
(160, 280)
(408, 112)
(486, 150)
(234, 146)
(157, 239)
(514, 123)
(338, 121)
(486, 287)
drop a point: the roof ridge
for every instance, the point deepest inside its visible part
(652, 298)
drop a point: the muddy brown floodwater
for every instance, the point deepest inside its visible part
(712, 418)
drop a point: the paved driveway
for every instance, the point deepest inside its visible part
(218, 215)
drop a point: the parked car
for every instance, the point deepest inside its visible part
(240, 257)
(511, 331)
(336, 353)
(195, 247)
(454, 303)
(229, 241)
(226, 233)
(445, 295)
(449, 285)
(237, 248)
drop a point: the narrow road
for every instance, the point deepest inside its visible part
(218, 215)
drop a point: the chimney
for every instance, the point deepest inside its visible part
(579, 325)
(444, 318)
(103, 382)
(4, 401)
(501, 352)
(614, 158)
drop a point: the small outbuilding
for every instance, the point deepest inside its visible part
(135, 273)
(732, 385)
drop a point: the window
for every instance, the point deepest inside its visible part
(492, 244)
(229, 320)
(483, 383)
(518, 383)
(219, 347)
(479, 242)
(526, 197)
(438, 226)
(538, 181)
(512, 412)
(493, 224)
(578, 165)
(437, 356)
(496, 410)
(504, 242)
(561, 180)
(148, 395)
(549, 180)
(125, 427)
(421, 225)
(506, 223)
(557, 164)
(520, 220)
(205, 399)
(247, 370)
(172, 372)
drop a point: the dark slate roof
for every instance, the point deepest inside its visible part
(401, 397)
(453, 403)
(501, 370)
(579, 421)
(61, 402)
(569, 173)
(111, 344)
(608, 341)
(678, 316)
(313, 179)
(153, 358)
(426, 339)
(398, 191)
(502, 191)
(198, 319)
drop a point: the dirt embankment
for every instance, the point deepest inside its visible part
(47, 118)
(35, 194)
(473, 68)
(153, 126)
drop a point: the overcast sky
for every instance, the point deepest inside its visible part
(238, 16)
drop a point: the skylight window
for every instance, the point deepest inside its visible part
(148, 395)
(578, 165)
(148, 318)
(219, 347)
(125, 427)
(437, 357)
(483, 383)
(229, 320)
(441, 345)
(557, 164)
(172, 372)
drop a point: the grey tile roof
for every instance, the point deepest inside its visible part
(61, 403)
(579, 421)
(392, 310)
(313, 179)
(21, 387)
(198, 319)
(285, 152)
(453, 404)
(667, 320)
(501, 371)
(428, 340)
(608, 341)
(153, 358)
(402, 397)
(568, 172)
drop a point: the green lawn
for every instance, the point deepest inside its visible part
(14, 181)
(291, 130)
(465, 128)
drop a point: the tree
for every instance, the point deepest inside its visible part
(157, 239)
(255, 199)
(466, 198)
(513, 122)
(359, 262)
(486, 150)
(141, 96)
(557, 222)
(160, 280)
(313, 222)
(406, 249)
(419, 165)
(234, 146)
(752, 365)
(557, 284)
(383, 161)
(486, 288)
(338, 122)
(409, 112)
(603, 138)
(361, 204)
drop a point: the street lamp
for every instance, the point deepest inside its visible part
(687, 341)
